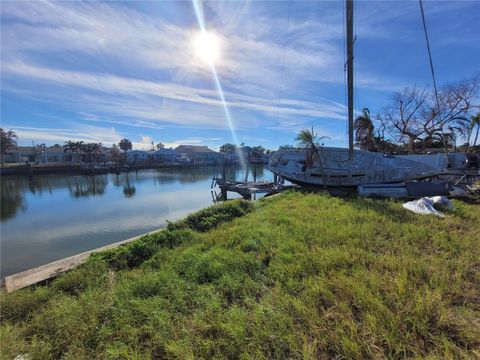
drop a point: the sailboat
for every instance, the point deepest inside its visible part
(349, 167)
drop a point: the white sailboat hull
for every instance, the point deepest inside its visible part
(334, 168)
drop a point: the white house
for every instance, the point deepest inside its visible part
(137, 156)
(162, 156)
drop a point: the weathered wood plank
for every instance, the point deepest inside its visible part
(48, 271)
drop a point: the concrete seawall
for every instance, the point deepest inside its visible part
(53, 269)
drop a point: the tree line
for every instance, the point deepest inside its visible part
(232, 148)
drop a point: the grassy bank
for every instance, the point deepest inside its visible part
(294, 276)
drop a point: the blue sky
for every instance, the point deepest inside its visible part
(103, 71)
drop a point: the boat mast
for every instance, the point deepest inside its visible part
(349, 8)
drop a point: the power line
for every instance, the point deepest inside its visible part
(433, 76)
(430, 57)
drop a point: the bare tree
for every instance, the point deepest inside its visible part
(403, 116)
(455, 101)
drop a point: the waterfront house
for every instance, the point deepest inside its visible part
(258, 157)
(51, 154)
(184, 158)
(21, 154)
(201, 155)
(247, 153)
(161, 156)
(164, 156)
(230, 158)
(39, 154)
(137, 156)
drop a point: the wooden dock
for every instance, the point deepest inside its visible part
(53, 269)
(247, 189)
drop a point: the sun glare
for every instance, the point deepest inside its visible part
(207, 47)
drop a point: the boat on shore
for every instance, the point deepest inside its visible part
(339, 167)
(333, 167)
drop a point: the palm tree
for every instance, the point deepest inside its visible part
(474, 121)
(70, 146)
(364, 131)
(160, 146)
(74, 147)
(8, 140)
(90, 149)
(309, 140)
(125, 145)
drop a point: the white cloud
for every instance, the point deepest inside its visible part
(26, 135)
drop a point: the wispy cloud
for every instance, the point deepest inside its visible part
(27, 134)
(131, 97)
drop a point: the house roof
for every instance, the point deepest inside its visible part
(194, 149)
(164, 152)
(153, 152)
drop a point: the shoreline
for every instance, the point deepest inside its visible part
(50, 270)
(41, 273)
(44, 169)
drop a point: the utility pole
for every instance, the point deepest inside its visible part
(349, 8)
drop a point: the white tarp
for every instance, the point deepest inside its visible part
(426, 205)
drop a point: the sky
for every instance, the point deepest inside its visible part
(103, 71)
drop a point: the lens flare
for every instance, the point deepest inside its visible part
(203, 32)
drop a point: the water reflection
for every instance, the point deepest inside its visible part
(12, 199)
(53, 216)
(128, 190)
(86, 186)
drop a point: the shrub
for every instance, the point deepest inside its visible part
(138, 251)
(176, 234)
(92, 274)
(213, 216)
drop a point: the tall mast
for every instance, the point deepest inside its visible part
(349, 9)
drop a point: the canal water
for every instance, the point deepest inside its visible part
(51, 217)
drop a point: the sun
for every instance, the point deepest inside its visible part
(206, 46)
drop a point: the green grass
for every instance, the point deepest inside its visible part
(297, 276)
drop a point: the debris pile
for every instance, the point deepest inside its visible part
(426, 205)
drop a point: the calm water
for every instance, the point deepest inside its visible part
(55, 216)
